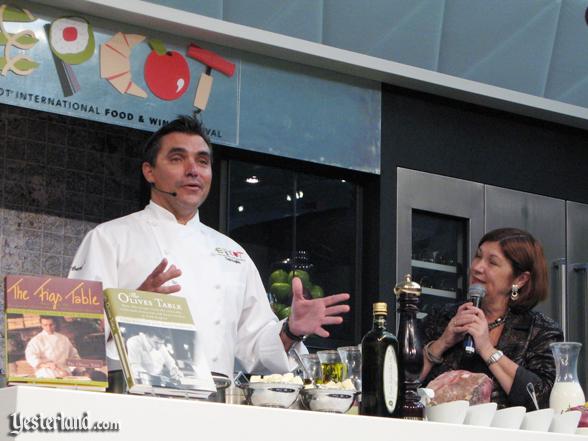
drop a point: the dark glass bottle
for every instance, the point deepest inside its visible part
(379, 367)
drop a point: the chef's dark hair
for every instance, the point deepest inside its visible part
(52, 318)
(46, 317)
(182, 124)
(524, 253)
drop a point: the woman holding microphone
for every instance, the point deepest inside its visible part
(511, 341)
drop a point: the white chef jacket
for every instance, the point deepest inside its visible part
(143, 357)
(45, 347)
(223, 288)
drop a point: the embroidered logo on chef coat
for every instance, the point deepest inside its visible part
(232, 256)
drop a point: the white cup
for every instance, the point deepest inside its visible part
(538, 420)
(453, 412)
(480, 414)
(509, 418)
(566, 422)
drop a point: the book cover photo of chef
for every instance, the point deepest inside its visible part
(157, 344)
(54, 331)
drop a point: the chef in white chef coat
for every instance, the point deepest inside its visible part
(147, 353)
(165, 248)
(48, 351)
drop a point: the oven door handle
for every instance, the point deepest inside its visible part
(560, 267)
(583, 268)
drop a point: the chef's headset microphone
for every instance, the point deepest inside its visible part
(171, 193)
(476, 293)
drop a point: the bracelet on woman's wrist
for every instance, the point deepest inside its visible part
(496, 355)
(430, 356)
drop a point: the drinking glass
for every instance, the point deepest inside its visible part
(351, 357)
(313, 368)
(332, 368)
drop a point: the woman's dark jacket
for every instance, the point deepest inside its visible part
(525, 340)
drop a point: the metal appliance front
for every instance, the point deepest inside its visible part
(435, 194)
(544, 218)
(577, 298)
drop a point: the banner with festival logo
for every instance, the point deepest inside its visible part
(86, 67)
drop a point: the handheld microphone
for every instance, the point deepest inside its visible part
(476, 293)
(171, 193)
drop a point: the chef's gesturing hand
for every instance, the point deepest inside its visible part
(159, 276)
(309, 316)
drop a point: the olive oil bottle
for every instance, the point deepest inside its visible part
(379, 367)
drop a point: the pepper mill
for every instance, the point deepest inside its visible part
(410, 350)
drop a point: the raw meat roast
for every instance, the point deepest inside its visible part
(461, 385)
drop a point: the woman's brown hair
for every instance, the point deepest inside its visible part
(524, 253)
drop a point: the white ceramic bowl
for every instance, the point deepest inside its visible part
(538, 420)
(480, 414)
(453, 412)
(566, 422)
(272, 394)
(327, 400)
(582, 431)
(509, 418)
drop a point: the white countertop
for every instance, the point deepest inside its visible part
(152, 418)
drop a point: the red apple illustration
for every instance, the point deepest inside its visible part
(166, 72)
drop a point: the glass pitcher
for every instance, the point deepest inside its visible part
(566, 391)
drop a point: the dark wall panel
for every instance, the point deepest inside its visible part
(470, 142)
